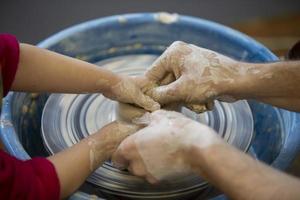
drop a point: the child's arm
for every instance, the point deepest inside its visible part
(58, 176)
(40, 70)
(75, 164)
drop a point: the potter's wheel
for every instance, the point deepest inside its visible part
(67, 118)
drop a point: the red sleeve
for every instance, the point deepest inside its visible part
(31, 179)
(9, 60)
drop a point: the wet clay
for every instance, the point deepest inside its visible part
(128, 112)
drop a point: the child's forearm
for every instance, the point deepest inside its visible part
(41, 70)
(75, 164)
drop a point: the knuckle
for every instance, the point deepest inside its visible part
(178, 43)
(173, 48)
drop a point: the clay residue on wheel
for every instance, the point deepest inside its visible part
(166, 18)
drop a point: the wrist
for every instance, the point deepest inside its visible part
(250, 83)
(243, 81)
(99, 150)
(106, 80)
(201, 160)
(195, 145)
(101, 145)
(228, 85)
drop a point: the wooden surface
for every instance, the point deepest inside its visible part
(277, 33)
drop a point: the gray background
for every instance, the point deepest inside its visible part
(34, 20)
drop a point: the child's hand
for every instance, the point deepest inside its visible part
(127, 90)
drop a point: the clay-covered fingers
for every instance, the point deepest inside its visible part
(128, 91)
(168, 63)
(117, 131)
(144, 83)
(159, 69)
(201, 107)
(138, 168)
(180, 91)
(169, 78)
(139, 98)
(173, 92)
(126, 152)
(127, 156)
(156, 152)
(145, 102)
(147, 85)
(122, 155)
(125, 129)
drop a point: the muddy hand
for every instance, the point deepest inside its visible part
(157, 152)
(192, 75)
(126, 90)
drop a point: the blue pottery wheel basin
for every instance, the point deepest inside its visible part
(275, 138)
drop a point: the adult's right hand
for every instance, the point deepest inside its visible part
(193, 75)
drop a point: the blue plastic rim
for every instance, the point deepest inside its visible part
(148, 33)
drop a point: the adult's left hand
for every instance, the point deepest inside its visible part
(159, 151)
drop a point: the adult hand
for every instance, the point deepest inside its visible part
(158, 151)
(193, 75)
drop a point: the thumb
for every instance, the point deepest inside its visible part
(119, 130)
(168, 93)
(157, 70)
(200, 108)
(146, 102)
(124, 153)
(118, 159)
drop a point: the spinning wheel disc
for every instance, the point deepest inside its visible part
(67, 118)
